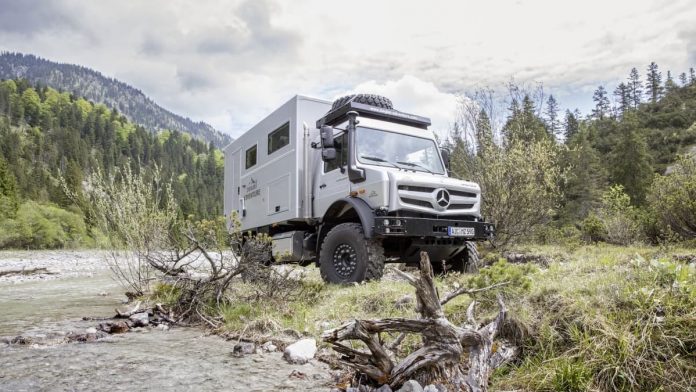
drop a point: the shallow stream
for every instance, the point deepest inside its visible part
(45, 308)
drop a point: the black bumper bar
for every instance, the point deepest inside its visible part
(389, 226)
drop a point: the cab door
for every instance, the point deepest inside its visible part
(331, 179)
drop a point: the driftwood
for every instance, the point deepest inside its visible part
(439, 360)
(27, 271)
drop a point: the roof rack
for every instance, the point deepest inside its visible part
(340, 114)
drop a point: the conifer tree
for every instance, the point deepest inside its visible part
(623, 99)
(683, 79)
(635, 88)
(9, 197)
(653, 85)
(552, 120)
(692, 75)
(669, 83)
(602, 106)
(630, 160)
(587, 179)
(484, 133)
(571, 125)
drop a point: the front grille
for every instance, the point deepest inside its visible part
(461, 193)
(416, 202)
(459, 206)
(414, 188)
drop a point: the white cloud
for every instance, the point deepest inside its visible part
(413, 95)
(230, 62)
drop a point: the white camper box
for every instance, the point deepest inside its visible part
(265, 179)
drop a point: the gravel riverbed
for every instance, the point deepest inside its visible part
(78, 284)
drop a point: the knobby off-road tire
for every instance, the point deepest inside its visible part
(346, 256)
(368, 99)
(465, 261)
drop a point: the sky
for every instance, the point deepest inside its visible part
(230, 63)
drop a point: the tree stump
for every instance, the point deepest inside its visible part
(445, 345)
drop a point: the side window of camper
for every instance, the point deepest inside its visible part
(341, 154)
(251, 157)
(279, 138)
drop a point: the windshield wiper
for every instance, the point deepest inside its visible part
(411, 164)
(377, 159)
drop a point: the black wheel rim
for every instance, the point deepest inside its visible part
(345, 260)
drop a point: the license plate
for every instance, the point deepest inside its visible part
(461, 231)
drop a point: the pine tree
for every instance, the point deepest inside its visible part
(669, 83)
(586, 181)
(623, 99)
(692, 76)
(635, 88)
(683, 79)
(571, 125)
(484, 133)
(602, 106)
(653, 85)
(523, 125)
(9, 196)
(552, 120)
(630, 160)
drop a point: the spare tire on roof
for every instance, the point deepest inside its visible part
(367, 99)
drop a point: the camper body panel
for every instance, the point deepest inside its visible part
(265, 176)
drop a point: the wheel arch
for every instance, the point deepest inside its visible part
(347, 209)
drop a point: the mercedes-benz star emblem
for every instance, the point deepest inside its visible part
(443, 198)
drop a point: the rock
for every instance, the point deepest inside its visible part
(411, 386)
(140, 319)
(269, 347)
(404, 302)
(301, 351)
(103, 294)
(163, 327)
(435, 388)
(298, 374)
(352, 389)
(384, 388)
(244, 348)
(91, 330)
(114, 327)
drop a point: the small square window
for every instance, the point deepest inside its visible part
(251, 157)
(279, 138)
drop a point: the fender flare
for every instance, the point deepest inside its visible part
(333, 215)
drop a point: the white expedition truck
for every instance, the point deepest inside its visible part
(350, 186)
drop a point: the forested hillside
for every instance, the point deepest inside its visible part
(46, 134)
(97, 88)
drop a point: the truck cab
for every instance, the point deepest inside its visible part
(376, 189)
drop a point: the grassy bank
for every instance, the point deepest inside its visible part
(595, 318)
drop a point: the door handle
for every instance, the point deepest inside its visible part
(322, 186)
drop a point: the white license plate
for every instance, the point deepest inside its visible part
(461, 231)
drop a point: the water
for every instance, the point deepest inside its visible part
(181, 359)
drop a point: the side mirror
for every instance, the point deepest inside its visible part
(328, 149)
(328, 154)
(445, 157)
(327, 137)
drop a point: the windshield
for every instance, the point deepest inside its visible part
(384, 148)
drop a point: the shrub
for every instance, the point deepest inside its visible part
(673, 197)
(619, 218)
(593, 229)
(43, 226)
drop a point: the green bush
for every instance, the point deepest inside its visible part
(43, 226)
(593, 229)
(673, 197)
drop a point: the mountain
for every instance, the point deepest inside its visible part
(50, 140)
(85, 82)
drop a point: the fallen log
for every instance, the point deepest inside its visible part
(27, 271)
(439, 360)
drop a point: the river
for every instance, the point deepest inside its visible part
(46, 307)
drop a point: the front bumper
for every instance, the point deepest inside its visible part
(388, 226)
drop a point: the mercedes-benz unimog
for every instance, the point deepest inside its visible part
(352, 185)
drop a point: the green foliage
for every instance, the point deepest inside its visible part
(46, 136)
(43, 226)
(673, 198)
(630, 161)
(517, 276)
(619, 217)
(593, 229)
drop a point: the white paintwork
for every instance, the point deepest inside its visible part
(291, 183)
(280, 177)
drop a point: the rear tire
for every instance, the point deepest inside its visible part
(346, 256)
(466, 261)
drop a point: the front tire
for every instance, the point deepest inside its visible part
(346, 256)
(466, 261)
